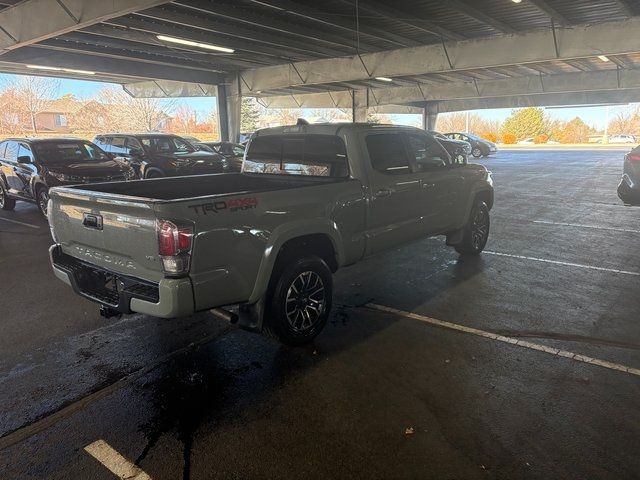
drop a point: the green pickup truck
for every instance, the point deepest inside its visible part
(309, 200)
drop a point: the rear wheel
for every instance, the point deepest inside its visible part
(42, 199)
(476, 152)
(299, 301)
(6, 203)
(476, 231)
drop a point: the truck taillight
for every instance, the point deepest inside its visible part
(174, 247)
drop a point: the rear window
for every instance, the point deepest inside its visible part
(313, 155)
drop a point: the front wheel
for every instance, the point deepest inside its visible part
(476, 231)
(476, 152)
(300, 301)
(42, 198)
(6, 203)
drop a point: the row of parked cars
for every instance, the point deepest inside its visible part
(29, 167)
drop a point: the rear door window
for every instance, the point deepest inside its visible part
(427, 152)
(11, 153)
(24, 151)
(118, 146)
(312, 155)
(3, 147)
(388, 153)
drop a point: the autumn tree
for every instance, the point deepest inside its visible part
(11, 116)
(135, 114)
(457, 122)
(575, 131)
(525, 122)
(625, 122)
(33, 94)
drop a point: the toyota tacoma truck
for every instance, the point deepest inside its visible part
(310, 199)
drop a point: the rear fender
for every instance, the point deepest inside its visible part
(283, 234)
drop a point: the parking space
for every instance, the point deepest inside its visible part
(386, 391)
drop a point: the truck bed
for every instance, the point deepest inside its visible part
(176, 188)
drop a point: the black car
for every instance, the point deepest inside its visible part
(454, 147)
(155, 155)
(479, 146)
(629, 188)
(29, 167)
(232, 152)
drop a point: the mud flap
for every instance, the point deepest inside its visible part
(455, 237)
(251, 316)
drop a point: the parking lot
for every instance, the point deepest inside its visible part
(522, 363)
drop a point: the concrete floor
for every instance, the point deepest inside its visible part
(194, 398)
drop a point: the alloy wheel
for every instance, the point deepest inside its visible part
(305, 301)
(480, 229)
(43, 201)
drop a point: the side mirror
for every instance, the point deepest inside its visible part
(24, 159)
(459, 159)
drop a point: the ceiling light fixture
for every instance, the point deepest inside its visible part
(59, 69)
(191, 43)
(516, 1)
(604, 58)
(384, 79)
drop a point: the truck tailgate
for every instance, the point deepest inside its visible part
(116, 234)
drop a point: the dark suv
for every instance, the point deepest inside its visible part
(629, 187)
(232, 152)
(29, 167)
(479, 146)
(155, 155)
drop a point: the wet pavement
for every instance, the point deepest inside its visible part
(378, 395)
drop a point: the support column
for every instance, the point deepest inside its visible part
(429, 117)
(229, 107)
(359, 104)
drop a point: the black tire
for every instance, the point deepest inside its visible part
(476, 152)
(295, 318)
(6, 203)
(42, 199)
(476, 231)
(154, 174)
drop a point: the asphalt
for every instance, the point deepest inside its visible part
(379, 394)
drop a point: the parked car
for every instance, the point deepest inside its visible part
(30, 166)
(479, 146)
(622, 139)
(192, 140)
(309, 201)
(156, 155)
(527, 141)
(458, 149)
(629, 187)
(232, 152)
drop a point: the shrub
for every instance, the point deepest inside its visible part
(541, 139)
(492, 137)
(509, 138)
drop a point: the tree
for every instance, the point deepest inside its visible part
(457, 122)
(249, 115)
(576, 131)
(33, 94)
(624, 122)
(135, 114)
(525, 122)
(11, 116)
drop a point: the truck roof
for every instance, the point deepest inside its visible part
(44, 139)
(329, 128)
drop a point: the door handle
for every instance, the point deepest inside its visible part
(427, 186)
(383, 192)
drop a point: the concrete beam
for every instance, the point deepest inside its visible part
(610, 38)
(34, 20)
(541, 100)
(169, 89)
(229, 109)
(528, 85)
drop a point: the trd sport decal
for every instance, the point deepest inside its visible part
(233, 205)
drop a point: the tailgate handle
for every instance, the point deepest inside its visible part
(92, 221)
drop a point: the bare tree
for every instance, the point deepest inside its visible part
(624, 122)
(135, 114)
(33, 95)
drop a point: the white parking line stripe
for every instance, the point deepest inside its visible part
(513, 341)
(116, 463)
(580, 225)
(566, 264)
(19, 223)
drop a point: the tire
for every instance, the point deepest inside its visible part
(154, 174)
(6, 203)
(476, 152)
(476, 231)
(297, 318)
(42, 200)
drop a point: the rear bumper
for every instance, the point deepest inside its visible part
(170, 298)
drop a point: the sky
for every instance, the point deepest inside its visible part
(593, 116)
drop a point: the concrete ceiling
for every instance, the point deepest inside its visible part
(304, 52)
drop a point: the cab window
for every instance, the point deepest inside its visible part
(3, 147)
(427, 152)
(387, 153)
(24, 151)
(11, 153)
